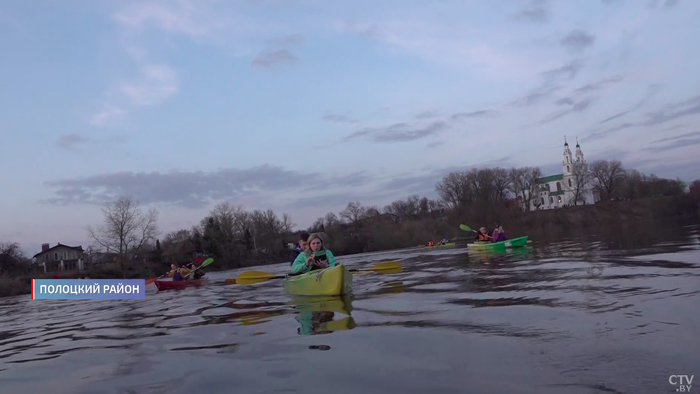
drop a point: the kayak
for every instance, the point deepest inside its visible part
(326, 282)
(447, 245)
(510, 243)
(180, 284)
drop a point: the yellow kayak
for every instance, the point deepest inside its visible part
(326, 282)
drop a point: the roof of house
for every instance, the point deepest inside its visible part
(550, 178)
(78, 248)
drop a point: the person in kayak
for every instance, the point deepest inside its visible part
(498, 234)
(299, 247)
(178, 273)
(482, 235)
(316, 256)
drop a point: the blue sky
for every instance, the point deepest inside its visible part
(303, 106)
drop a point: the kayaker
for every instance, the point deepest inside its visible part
(178, 273)
(301, 246)
(430, 243)
(483, 235)
(498, 234)
(316, 256)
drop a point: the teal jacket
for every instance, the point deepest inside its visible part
(299, 264)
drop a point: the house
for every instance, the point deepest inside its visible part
(60, 258)
(559, 190)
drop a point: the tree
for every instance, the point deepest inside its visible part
(609, 175)
(126, 229)
(287, 223)
(353, 212)
(12, 259)
(577, 182)
(523, 183)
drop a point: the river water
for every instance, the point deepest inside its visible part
(568, 317)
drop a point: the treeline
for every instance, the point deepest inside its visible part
(130, 241)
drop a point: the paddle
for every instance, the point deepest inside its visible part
(204, 264)
(467, 228)
(250, 277)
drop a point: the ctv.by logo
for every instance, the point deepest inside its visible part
(684, 382)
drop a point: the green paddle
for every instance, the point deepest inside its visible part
(204, 264)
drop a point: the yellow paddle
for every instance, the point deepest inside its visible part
(250, 277)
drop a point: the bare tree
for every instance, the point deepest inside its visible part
(451, 189)
(523, 183)
(353, 212)
(287, 223)
(609, 175)
(126, 229)
(580, 176)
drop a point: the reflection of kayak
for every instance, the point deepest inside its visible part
(179, 284)
(340, 304)
(447, 245)
(330, 281)
(510, 243)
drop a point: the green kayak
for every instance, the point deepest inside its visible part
(510, 243)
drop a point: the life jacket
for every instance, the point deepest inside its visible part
(430, 243)
(483, 237)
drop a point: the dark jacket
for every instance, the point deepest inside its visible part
(295, 252)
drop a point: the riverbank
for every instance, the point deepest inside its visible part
(618, 224)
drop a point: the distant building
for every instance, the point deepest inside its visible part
(556, 191)
(60, 258)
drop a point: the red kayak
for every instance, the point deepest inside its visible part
(179, 284)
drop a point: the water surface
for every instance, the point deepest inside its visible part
(569, 317)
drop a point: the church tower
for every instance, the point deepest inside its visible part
(579, 153)
(568, 160)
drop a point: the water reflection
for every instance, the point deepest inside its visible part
(316, 315)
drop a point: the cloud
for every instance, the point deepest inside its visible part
(674, 111)
(288, 40)
(196, 189)
(71, 141)
(577, 41)
(652, 90)
(475, 114)
(551, 83)
(537, 11)
(398, 132)
(157, 83)
(577, 105)
(607, 132)
(677, 137)
(339, 119)
(435, 144)
(426, 115)
(334, 200)
(670, 3)
(268, 59)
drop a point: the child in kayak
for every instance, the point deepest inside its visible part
(316, 256)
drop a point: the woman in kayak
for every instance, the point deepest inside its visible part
(316, 256)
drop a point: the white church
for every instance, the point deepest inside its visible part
(556, 191)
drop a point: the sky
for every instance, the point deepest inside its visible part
(303, 106)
